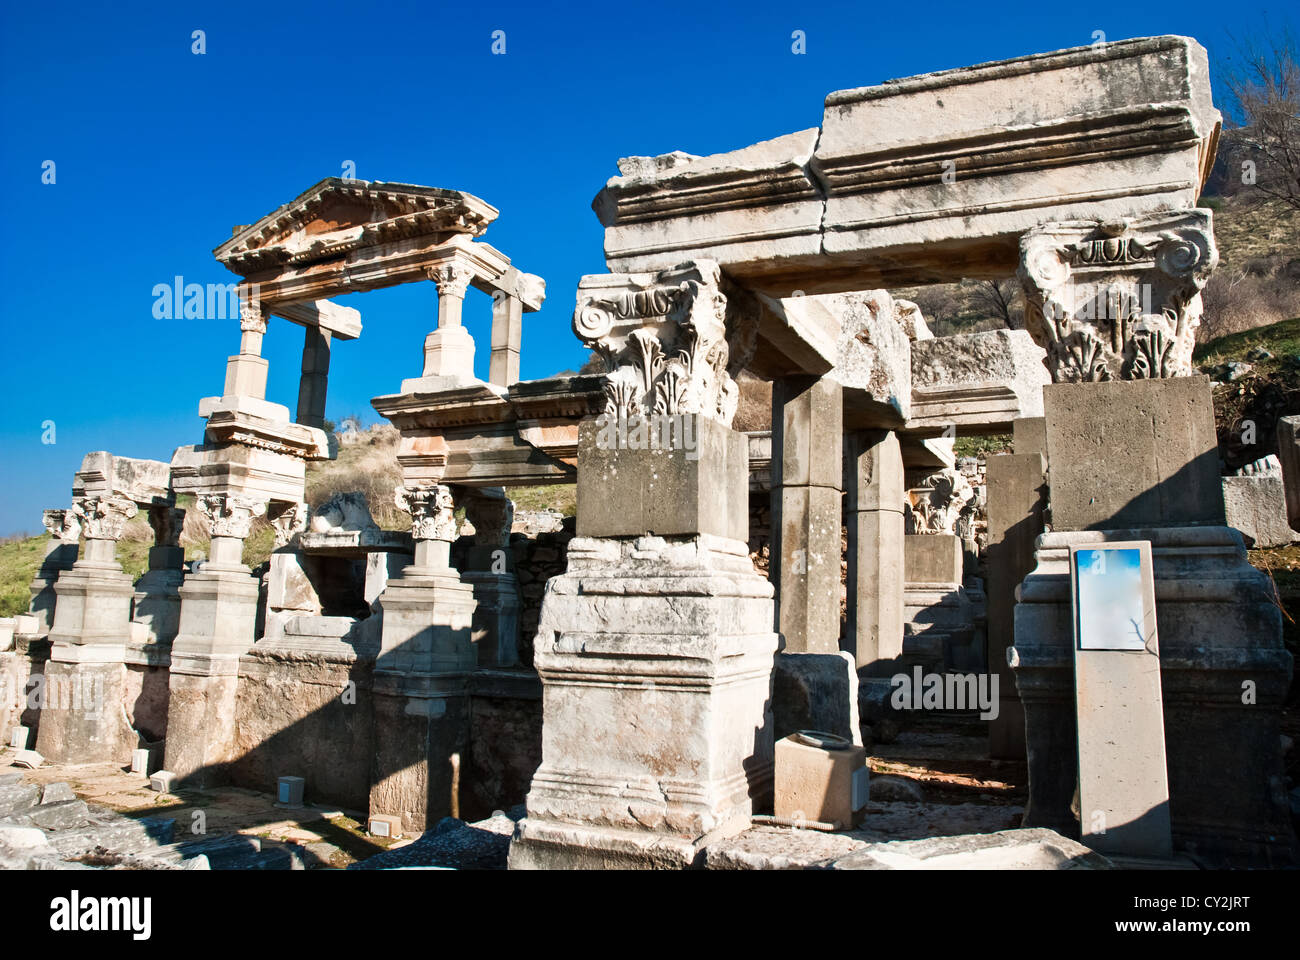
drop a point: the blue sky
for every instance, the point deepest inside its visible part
(159, 152)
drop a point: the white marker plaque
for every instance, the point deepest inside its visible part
(1123, 788)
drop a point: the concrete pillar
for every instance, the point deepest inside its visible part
(82, 719)
(490, 570)
(421, 678)
(1017, 502)
(873, 507)
(507, 330)
(807, 474)
(314, 381)
(157, 593)
(246, 372)
(217, 626)
(449, 350)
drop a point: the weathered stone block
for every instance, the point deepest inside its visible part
(932, 558)
(1132, 453)
(1256, 506)
(698, 485)
(816, 691)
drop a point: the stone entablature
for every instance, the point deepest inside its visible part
(929, 178)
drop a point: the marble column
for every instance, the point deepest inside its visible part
(60, 554)
(449, 350)
(490, 570)
(314, 382)
(82, 719)
(157, 593)
(507, 332)
(873, 507)
(246, 371)
(217, 626)
(807, 474)
(655, 647)
(421, 678)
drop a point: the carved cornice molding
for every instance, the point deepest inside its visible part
(1120, 299)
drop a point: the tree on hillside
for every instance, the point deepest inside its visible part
(998, 299)
(1262, 82)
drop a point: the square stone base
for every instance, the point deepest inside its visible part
(656, 663)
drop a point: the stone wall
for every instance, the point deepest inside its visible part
(294, 720)
(145, 695)
(536, 560)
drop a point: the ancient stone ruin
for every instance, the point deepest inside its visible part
(639, 720)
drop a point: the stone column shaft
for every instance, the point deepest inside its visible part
(246, 372)
(807, 418)
(874, 491)
(507, 331)
(315, 377)
(449, 350)
(1017, 498)
(217, 625)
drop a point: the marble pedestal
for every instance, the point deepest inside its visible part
(421, 700)
(656, 657)
(1224, 674)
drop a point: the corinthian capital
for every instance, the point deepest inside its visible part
(289, 521)
(167, 523)
(103, 518)
(663, 339)
(229, 516)
(492, 518)
(251, 317)
(62, 525)
(432, 511)
(1118, 300)
(452, 279)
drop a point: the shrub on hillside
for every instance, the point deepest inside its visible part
(1264, 291)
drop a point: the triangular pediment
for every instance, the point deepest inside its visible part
(337, 216)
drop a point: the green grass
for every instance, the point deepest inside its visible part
(19, 561)
(559, 496)
(982, 446)
(1280, 339)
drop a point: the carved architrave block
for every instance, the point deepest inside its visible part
(103, 518)
(62, 525)
(432, 511)
(666, 340)
(229, 516)
(1118, 299)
